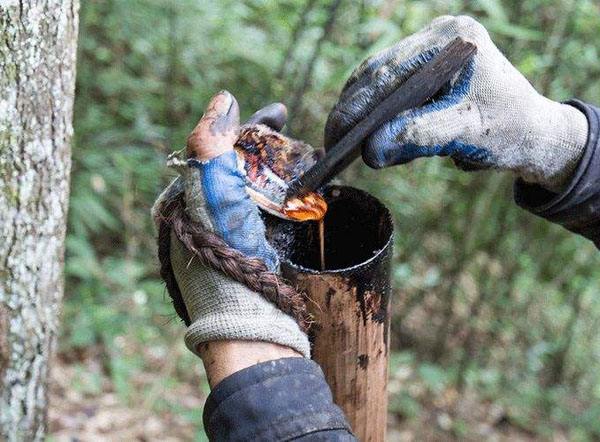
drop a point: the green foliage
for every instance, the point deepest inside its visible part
(488, 298)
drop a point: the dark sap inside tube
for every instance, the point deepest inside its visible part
(356, 227)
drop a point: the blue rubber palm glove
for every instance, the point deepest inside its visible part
(490, 116)
(216, 193)
(215, 196)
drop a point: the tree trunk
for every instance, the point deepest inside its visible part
(37, 79)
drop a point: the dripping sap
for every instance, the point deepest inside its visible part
(310, 207)
(322, 242)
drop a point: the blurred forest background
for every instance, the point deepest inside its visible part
(496, 313)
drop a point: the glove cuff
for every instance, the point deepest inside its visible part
(275, 327)
(558, 135)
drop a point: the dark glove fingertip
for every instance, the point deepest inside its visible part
(333, 129)
(382, 150)
(341, 119)
(349, 111)
(468, 166)
(319, 153)
(374, 157)
(273, 115)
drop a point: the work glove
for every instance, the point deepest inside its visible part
(220, 308)
(489, 116)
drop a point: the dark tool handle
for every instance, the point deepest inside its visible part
(414, 92)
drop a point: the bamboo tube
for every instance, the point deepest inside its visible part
(349, 300)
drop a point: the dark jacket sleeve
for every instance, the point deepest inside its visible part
(577, 208)
(281, 400)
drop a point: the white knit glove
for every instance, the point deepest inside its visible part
(222, 309)
(214, 191)
(490, 116)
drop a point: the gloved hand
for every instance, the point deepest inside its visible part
(215, 196)
(490, 115)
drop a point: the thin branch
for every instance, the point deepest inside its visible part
(294, 37)
(555, 43)
(297, 99)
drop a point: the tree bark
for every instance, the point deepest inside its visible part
(37, 79)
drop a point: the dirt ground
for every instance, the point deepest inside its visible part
(86, 407)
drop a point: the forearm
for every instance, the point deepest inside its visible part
(283, 399)
(224, 358)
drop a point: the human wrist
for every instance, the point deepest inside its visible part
(253, 321)
(224, 358)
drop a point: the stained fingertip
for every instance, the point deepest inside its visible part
(233, 114)
(216, 131)
(224, 110)
(220, 103)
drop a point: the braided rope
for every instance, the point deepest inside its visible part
(213, 252)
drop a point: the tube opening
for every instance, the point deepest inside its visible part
(357, 228)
